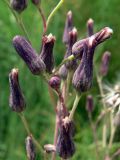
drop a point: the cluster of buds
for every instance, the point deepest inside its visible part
(43, 64)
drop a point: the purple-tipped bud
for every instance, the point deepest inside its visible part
(65, 145)
(49, 148)
(47, 52)
(54, 82)
(30, 148)
(29, 55)
(71, 65)
(90, 24)
(36, 2)
(94, 40)
(68, 27)
(105, 63)
(16, 99)
(19, 5)
(89, 104)
(82, 78)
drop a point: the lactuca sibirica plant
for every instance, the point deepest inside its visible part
(74, 75)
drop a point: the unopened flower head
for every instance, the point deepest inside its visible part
(82, 78)
(29, 55)
(16, 99)
(54, 82)
(63, 72)
(90, 25)
(30, 148)
(19, 5)
(89, 103)
(47, 52)
(68, 27)
(105, 63)
(71, 65)
(65, 145)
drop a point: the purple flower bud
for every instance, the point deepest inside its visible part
(36, 2)
(105, 63)
(47, 52)
(71, 65)
(29, 55)
(19, 5)
(68, 27)
(90, 24)
(65, 145)
(30, 148)
(82, 78)
(94, 40)
(16, 99)
(89, 104)
(63, 72)
(54, 82)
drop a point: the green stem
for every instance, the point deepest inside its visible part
(18, 20)
(77, 98)
(54, 11)
(68, 84)
(70, 58)
(25, 123)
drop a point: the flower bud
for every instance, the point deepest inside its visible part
(82, 78)
(94, 40)
(30, 148)
(68, 27)
(71, 65)
(29, 55)
(49, 148)
(63, 72)
(89, 104)
(65, 145)
(54, 82)
(90, 24)
(19, 5)
(47, 52)
(36, 2)
(105, 63)
(16, 99)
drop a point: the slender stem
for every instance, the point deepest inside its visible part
(43, 19)
(25, 123)
(54, 11)
(77, 98)
(52, 97)
(18, 20)
(70, 58)
(93, 127)
(99, 80)
(113, 128)
(68, 84)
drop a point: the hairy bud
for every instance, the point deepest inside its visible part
(65, 145)
(19, 5)
(36, 2)
(63, 72)
(94, 40)
(29, 55)
(90, 24)
(71, 65)
(49, 148)
(47, 52)
(16, 99)
(105, 63)
(89, 104)
(30, 148)
(54, 82)
(68, 27)
(82, 78)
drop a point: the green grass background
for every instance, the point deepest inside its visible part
(39, 111)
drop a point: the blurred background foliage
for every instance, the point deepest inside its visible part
(39, 111)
